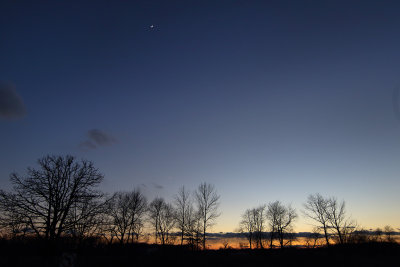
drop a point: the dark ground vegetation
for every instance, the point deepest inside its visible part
(38, 253)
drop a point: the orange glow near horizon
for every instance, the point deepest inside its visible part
(243, 243)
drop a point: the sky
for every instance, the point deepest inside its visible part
(267, 100)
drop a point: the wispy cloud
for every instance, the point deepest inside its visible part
(97, 138)
(158, 186)
(11, 104)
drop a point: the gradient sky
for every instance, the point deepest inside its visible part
(267, 100)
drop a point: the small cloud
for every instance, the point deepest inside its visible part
(100, 138)
(157, 186)
(11, 104)
(97, 138)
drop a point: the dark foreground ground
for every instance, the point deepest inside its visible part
(34, 253)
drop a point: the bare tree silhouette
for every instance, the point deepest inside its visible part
(166, 224)
(207, 201)
(154, 213)
(45, 199)
(281, 219)
(162, 218)
(253, 226)
(126, 210)
(193, 227)
(338, 219)
(247, 226)
(183, 208)
(259, 216)
(316, 208)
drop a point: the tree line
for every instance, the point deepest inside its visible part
(266, 225)
(60, 199)
(278, 219)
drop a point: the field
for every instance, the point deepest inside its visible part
(36, 253)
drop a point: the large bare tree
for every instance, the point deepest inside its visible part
(183, 208)
(316, 208)
(127, 210)
(338, 219)
(193, 225)
(162, 218)
(207, 201)
(154, 213)
(253, 225)
(281, 220)
(166, 224)
(45, 197)
(247, 226)
(138, 208)
(259, 216)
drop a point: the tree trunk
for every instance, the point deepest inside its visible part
(204, 235)
(326, 236)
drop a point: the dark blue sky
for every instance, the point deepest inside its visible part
(265, 99)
